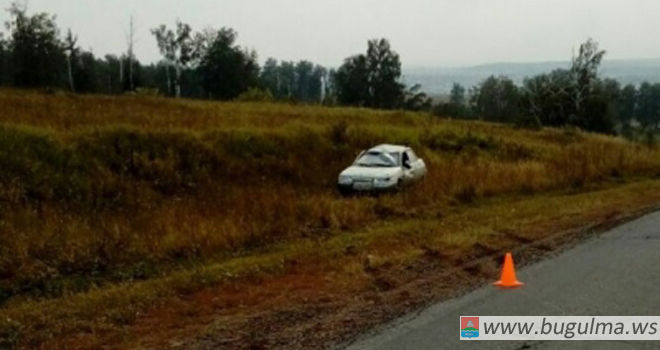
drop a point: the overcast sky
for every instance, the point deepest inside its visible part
(423, 32)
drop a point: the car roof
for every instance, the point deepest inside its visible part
(389, 148)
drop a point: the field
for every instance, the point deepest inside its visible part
(144, 222)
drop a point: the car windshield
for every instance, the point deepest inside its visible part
(378, 159)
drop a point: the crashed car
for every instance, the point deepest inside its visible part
(382, 168)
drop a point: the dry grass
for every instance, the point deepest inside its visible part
(348, 271)
(98, 193)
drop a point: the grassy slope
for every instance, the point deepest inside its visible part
(115, 208)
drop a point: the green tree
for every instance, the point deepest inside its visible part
(548, 97)
(319, 77)
(287, 73)
(588, 94)
(456, 107)
(302, 91)
(598, 111)
(85, 72)
(5, 71)
(270, 77)
(302, 81)
(648, 111)
(371, 80)
(36, 53)
(584, 71)
(111, 75)
(457, 95)
(497, 99)
(329, 89)
(351, 82)
(416, 100)
(655, 120)
(628, 104)
(384, 67)
(225, 70)
(576, 96)
(610, 91)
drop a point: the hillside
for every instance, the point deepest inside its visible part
(144, 222)
(439, 80)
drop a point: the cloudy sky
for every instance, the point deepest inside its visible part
(424, 32)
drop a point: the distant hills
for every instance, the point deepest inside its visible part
(439, 80)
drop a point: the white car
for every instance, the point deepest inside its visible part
(382, 168)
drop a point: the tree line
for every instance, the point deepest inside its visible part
(576, 96)
(195, 64)
(209, 64)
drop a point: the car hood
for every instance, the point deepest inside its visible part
(367, 172)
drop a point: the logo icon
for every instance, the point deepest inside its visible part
(469, 326)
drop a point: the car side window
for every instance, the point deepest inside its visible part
(405, 158)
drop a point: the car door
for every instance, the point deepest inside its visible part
(418, 164)
(408, 167)
(417, 167)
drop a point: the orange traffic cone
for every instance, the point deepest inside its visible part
(508, 278)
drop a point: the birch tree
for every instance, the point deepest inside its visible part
(584, 71)
(177, 48)
(130, 43)
(71, 50)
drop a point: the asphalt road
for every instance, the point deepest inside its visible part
(616, 273)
